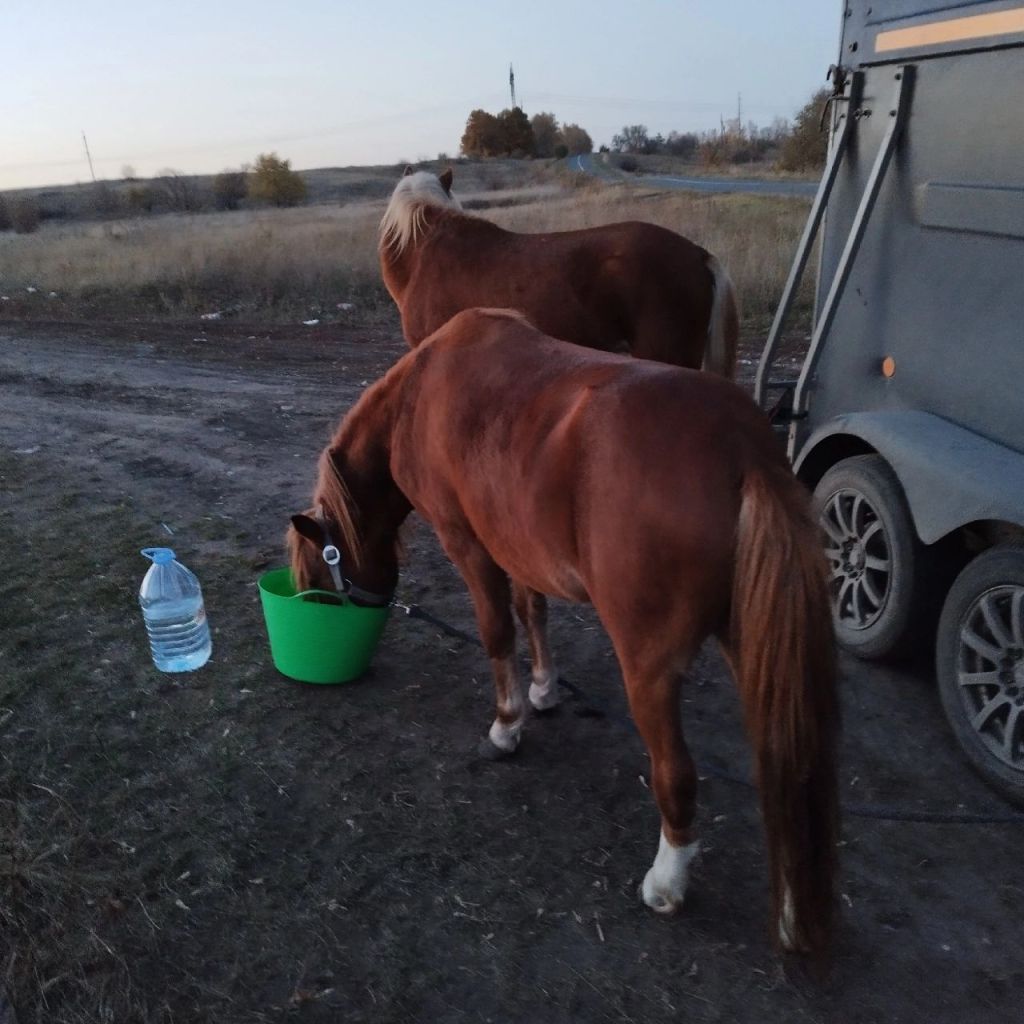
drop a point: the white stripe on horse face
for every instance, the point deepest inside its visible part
(664, 886)
(544, 692)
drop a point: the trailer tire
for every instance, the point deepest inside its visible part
(878, 566)
(979, 657)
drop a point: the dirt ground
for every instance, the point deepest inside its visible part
(229, 846)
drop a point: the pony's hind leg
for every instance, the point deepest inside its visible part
(489, 588)
(532, 609)
(654, 702)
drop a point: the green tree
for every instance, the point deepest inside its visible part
(516, 133)
(229, 189)
(576, 140)
(546, 135)
(273, 181)
(806, 145)
(482, 136)
(5, 215)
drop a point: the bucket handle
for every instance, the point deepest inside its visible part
(336, 596)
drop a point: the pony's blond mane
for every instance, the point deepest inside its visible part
(333, 499)
(405, 218)
(333, 494)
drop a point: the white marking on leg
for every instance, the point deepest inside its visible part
(787, 922)
(544, 693)
(664, 886)
(505, 737)
(505, 729)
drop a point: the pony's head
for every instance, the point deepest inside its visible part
(405, 217)
(320, 556)
(326, 551)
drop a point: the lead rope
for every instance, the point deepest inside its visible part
(596, 708)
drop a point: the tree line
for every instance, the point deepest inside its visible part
(511, 133)
(794, 147)
(269, 181)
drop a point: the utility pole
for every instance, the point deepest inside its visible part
(512, 85)
(88, 156)
(739, 113)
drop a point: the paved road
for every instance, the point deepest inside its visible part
(588, 165)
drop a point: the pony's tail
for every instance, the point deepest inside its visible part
(724, 323)
(782, 644)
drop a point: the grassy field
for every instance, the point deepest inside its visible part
(287, 264)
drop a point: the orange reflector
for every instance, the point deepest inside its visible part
(888, 366)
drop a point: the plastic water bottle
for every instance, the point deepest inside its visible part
(172, 605)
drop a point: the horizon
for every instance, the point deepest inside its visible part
(213, 89)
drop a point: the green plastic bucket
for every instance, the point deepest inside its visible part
(314, 642)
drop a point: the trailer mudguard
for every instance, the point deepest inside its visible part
(951, 476)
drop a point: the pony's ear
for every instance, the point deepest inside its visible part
(446, 180)
(407, 171)
(308, 528)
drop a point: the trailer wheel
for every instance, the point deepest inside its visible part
(980, 666)
(875, 559)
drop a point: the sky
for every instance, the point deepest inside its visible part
(204, 86)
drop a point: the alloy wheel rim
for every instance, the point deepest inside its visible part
(860, 559)
(990, 671)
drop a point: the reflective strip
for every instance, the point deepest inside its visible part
(955, 30)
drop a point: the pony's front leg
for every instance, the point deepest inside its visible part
(532, 609)
(492, 600)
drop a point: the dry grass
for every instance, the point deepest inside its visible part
(288, 263)
(755, 236)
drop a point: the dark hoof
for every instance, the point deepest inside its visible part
(491, 752)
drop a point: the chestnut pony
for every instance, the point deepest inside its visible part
(658, 494)
(623, 286)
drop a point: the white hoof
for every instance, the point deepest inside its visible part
(505, 737)
(544, 693)
(664, 885)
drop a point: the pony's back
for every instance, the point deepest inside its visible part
(501, 400)
(628, 286)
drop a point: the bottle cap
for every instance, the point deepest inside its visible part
(159, 555)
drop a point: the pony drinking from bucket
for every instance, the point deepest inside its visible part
(629, 285)
(658, 494)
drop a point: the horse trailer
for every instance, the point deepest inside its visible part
(907, 415)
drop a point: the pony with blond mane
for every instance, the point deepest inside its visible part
(629, 286)
(658, 494)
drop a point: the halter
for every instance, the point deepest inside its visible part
(332, 557)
